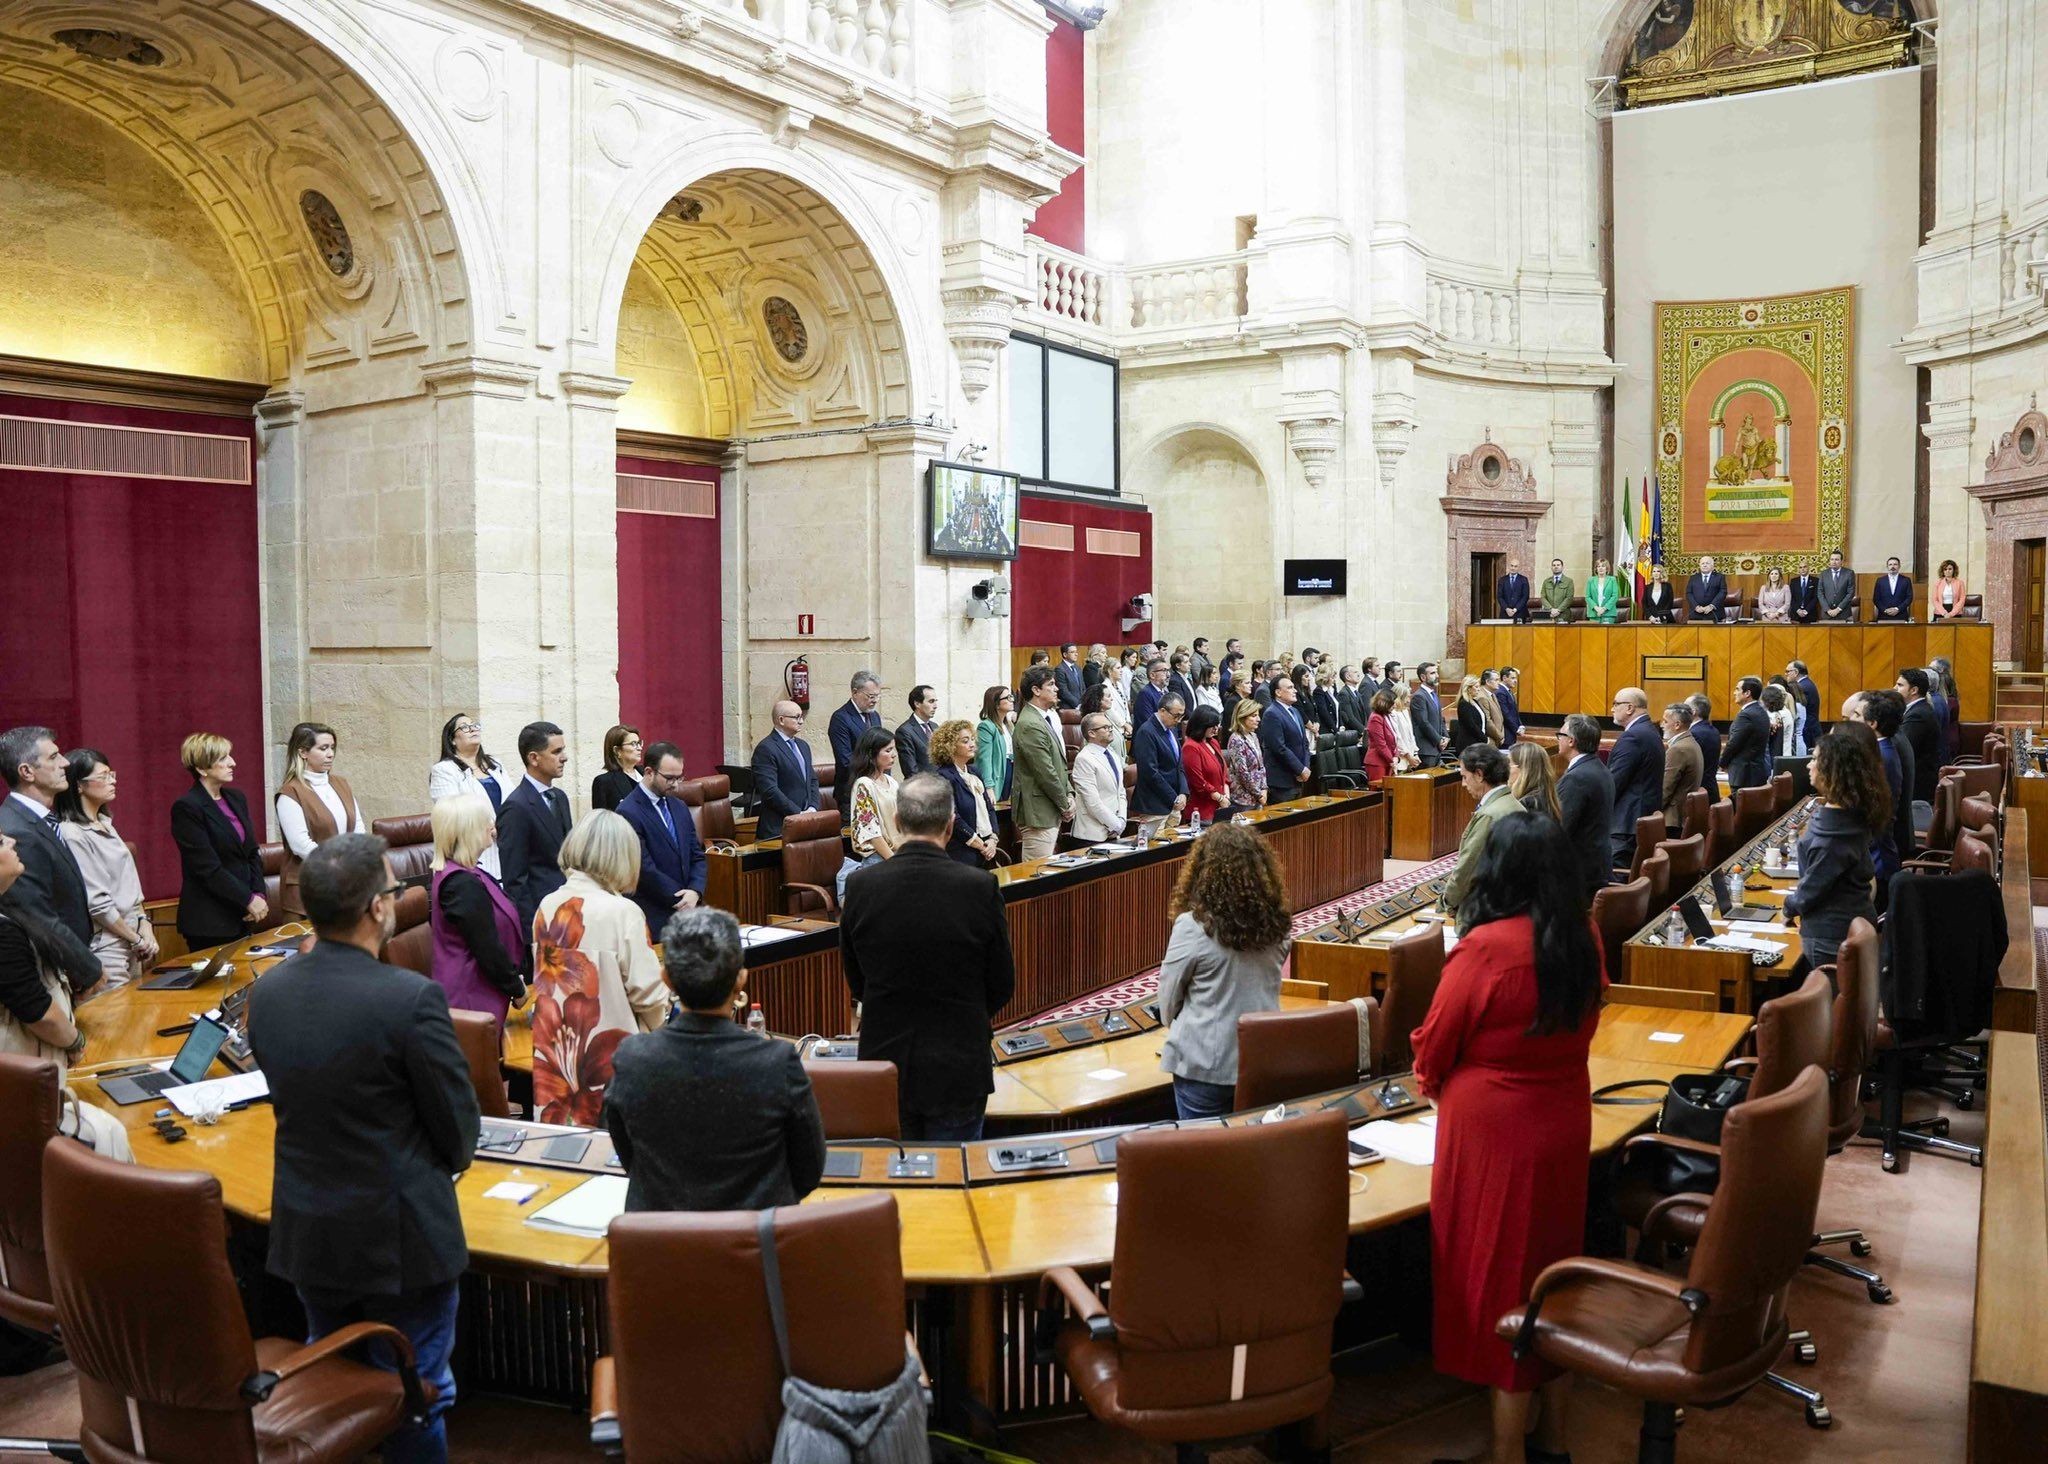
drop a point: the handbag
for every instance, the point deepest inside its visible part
(1692, 1106)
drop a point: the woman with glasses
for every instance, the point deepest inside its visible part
(621, 764)
(122, 937)
(466, 768)
(994, 741)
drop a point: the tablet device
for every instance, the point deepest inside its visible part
(1695, 918)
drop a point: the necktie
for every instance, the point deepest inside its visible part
(669, 819)
(54, 822)
(558, 802)
(1114, 766)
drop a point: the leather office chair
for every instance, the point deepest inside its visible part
(1946, 817)
(1783, 795)
(1929, 1050)
(412, 945)
(1688, 862)
(1973, 608)
(1415, 968)
(1327, 763)
(1720, 831)
(1282, 1056)
(411, 837)
(1752, 812)
(1701, 1340)
(1619, 911)
(153, 1324)
(1978, 814)
(272, 858)
(856, 1100)
(1657, 870)
(1650, 832)
(1979, 780)
(711, 1392)
(477, 1035)
(1970, 738)
(31, 1101)
(1695, 813)
(811, 855)
(1852, 1045)
(1244, 1349)
(828, 801)
(711, 809)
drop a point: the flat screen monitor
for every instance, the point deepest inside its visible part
(970, 512)
(1313, 576)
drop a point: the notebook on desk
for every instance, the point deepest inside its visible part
(588, 1209)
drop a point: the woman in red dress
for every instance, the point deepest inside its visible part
(1503, 1053)
(1201, 758)
(1380, 749)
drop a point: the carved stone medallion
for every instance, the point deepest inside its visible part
(785, 329)
(330, 234)
(108, 45)
(683, 209)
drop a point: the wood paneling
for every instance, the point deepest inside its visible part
(1430, 811)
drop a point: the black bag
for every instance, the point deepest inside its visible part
(1694, 1106)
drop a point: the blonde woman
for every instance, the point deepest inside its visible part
(1116, 701)
(974, 807)
(312, 806)
(1532, 780)
(1468, 719)
(597, 980)
(1406, 758)
(481, 955)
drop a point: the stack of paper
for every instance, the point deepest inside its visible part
(756, 935)
(588, 1209)
(1412, 1141)
(216, 1094)
(1732, 942)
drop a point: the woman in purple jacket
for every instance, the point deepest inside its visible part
(481, 955)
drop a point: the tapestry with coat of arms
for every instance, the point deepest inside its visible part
(1752, 429)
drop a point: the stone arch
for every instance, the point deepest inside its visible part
(1212, 534)
(1619, 20)
(251, 112)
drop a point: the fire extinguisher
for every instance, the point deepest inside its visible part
(796, 678)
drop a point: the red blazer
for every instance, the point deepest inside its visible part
(1206, 789)
(1380, 750)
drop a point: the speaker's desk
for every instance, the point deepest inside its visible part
(1579, 667)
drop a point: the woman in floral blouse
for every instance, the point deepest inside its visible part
(874, 802)
(1244, 766)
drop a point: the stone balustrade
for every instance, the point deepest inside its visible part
(1468, 313)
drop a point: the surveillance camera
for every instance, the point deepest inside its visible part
(989, 598)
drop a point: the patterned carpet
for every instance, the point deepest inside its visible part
(1146, 983)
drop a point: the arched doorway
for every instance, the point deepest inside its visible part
(1212, 548)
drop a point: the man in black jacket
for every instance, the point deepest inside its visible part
(51, 887)
(533, 821)
(926, 947)
(1426, 715)
(374, 1113)
(1746, 755)
(1585, 796)
(1637, 766)
(704, 1114)
(1922, 728)
(914, 737)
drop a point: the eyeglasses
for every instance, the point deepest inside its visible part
(469, 726)
(671, 777)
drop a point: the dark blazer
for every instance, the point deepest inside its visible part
(1806, 598)
(706, 1116)
(1468, 726)
(1068, 679)
(1161, 778)
(611, 788)
(1746, 756)
(1838, 591)
(1708, 736)
(926, 947)
(1284, 743)
(1513, 594)
(1510, 715)
(1353, 709)
(1091, 674)
(1810, 694)
(374, 1111)
(1835, 871)
(218, 868)
(1922, 730)
(848, 726)
(52, 889)
(913, 750)
(668, 866)
(1177, 682)
(1426, 715)
(785, 782)
(1660, 602)
(963, 817)
(530, 835)
(1585, 796)
(1323, 710)
(1706, 596)
(1637, 766)
(1890, 601)
(1146, 701)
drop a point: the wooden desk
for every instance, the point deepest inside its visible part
(1578, 667)
(2014, 999)
(2030, 795)
(2009, 1333)
(1430, 811)
(746, 880)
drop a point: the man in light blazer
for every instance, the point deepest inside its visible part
(1837, 592)
(1101, 807)
(914, 737)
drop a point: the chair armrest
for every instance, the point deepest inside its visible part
(1935, 861)
(831, 900)
(1672, 1141)
(258, 1387)
(1739, 1065)
(1080, 1297)
(1595, 1268)
(1672, 1202)
(604, 1408)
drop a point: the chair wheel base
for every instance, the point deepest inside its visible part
(1860, 1248)
(1807, 1353)
(1882, 1295)
(1888, 1162)
(1817, 1416)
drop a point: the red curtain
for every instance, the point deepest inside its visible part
(1063, 218)
(133, 618)
(1074, 595)
(671, 669)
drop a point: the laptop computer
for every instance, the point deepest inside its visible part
(202, 1044)
(1728, 900)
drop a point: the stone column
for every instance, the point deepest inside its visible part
(280, 475)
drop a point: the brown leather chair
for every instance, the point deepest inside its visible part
(1753, 812)
(411, 837)
(1657, 870)
(1973, 608)
(711, 1392)
(1946, 817)
(1978, 815)
(31, 1103)
(857, 1100)
(1650, 832)
(1619, 911)
(828, 801)
(153, 1324)
(1688, 862)
(1700, 1340)
(811, 854)
(412, 945)
(1415, 967)
(477, 1035)
(711, 807)
(1783, 795)
(1852, 1047)
(1195, 1344)
(1972, 851)
(1720, 832)
(272, 858)
(1282, 1056)
(1980, 780)
(1970, 738)
(1694, 813)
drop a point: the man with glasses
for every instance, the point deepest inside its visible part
(671, 856)
(785, 777)
(1637, 767)
(51, 887)
(1162, 790)
(363, 1216)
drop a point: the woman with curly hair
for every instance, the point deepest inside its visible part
(1835, 865)
(1224, 958)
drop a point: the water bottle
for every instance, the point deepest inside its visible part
(756, 1023)
(1195, 825)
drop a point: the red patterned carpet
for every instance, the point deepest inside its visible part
(1146, 983)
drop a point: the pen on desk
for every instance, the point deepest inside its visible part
(531, 1196)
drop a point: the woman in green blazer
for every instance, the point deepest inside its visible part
(992, 740)
(1605, 601)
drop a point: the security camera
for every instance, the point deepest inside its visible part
(989, 598)
(1140, 611)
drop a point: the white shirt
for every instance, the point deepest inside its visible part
(31, 805)
(291, 819)
(542, 788)
(451, 777)
(1052, 720)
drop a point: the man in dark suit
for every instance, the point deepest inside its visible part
(1283, 740)
(1891, 593)
(926, 948)
(1162, 789)
(1837, 592)
(785, 779)
(1585, 796)
(1746, 756)
(533, 821)
(363, 1216)
(1146, 702)
(914, 737)
(1067, 677)
(1921, 729)
(1706, 593)
(1795, 672)
(1426, 713)
(1513, 593)
(1806, 598)
(1178, 679)
(1505, 686)
(1199, 660)
(1637, 766)
(704, 1115)
(1354, 702)
(671, 858)
(844, 732)
(1708, 736)
(51, 888)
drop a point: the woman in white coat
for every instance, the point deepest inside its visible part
(1101, 807)
(466, 768)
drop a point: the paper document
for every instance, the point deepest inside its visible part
(1745, 943)
(1410, 1141)
(587, 1209)
(511, 1189)
(217, 1093)
(753, 935)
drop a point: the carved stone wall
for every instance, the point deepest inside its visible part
(1490, 507)
(2014, 497)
